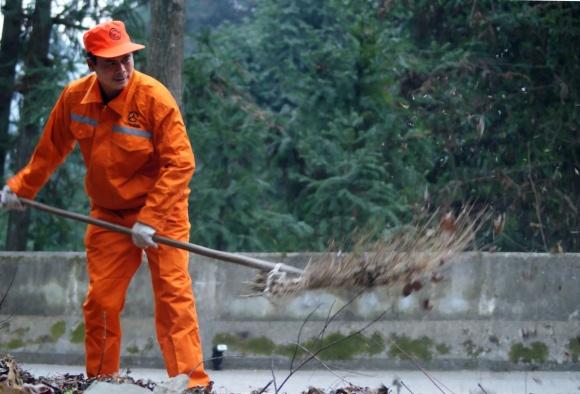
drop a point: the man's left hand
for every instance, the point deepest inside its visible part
(9, 200)
(143, 236)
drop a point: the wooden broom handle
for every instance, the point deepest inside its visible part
(197, 249)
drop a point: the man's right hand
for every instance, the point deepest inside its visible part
(142, 236)
(9, 200)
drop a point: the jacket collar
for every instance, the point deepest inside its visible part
(93, 94)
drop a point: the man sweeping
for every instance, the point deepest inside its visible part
(139, 164)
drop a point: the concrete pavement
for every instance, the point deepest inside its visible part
(410, 381)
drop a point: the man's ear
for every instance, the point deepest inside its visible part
(91, 64)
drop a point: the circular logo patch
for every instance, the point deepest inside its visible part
(133, 116)
(115, 34)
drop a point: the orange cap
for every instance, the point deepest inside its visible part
(109, 39)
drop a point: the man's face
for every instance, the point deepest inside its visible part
(113, 73)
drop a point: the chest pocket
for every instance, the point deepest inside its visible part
(131, 149)
(83, 129)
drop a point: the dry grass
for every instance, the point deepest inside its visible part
(408, 257)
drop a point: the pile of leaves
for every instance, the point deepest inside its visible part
(15, 380)
(350, 389)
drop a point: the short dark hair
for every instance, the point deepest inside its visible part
(90, 56)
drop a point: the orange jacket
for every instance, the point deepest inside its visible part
(135, 148)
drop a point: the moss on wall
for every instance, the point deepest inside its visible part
(538, 353)
(403, 346)
(574, 348)
(20, 331)
(376, 344)
(148, 346)
(57, 330)
(346, 346)
(442, 348)
(471, 349)
(134, 349)
(14, 344)
(77, 335)
(258, 345)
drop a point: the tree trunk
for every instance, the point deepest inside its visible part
(165, 46)
(36, 60)
(9, 54)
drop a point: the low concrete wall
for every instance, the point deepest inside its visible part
(499, 311)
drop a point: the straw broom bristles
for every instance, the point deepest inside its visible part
(407, 258)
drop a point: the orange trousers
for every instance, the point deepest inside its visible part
(113, 260)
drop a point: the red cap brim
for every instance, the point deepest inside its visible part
(118, 50)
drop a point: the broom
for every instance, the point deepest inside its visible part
(405, 259)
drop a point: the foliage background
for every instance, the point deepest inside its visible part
(312, 120)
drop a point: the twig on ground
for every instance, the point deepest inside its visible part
(300, 335)
(10, 284)
(405, 386)
(325, 365)
(273, 376)
(314, 355)
(205, 360)
(4, 322)
(330, 318)
(484, 391)
(433, 380)
(337, 342)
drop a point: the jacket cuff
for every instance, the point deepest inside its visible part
(15, 184)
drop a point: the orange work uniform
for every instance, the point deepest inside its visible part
(139, 163)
